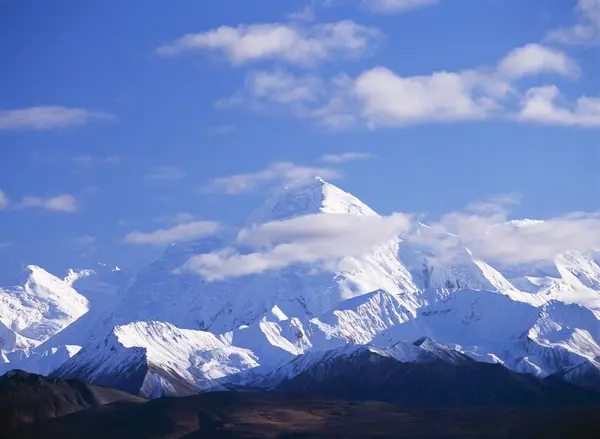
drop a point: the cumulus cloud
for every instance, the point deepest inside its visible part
(379, 97)
(324, 240)
(346, 157)
(3, 200)
(179, 233)
(586, 31)
(533, 59)
(320, 239)
(541, 105)
(61, 203)
(165, 173)
(292, 43)
(48, 117)
(396, 6)
(489, 236)
(387, 99)
(287, 173)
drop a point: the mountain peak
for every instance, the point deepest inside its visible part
(318, 196)
(30, 274)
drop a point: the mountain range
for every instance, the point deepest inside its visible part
(395, 309)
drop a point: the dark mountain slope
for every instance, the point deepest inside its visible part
(228, 415)
(367, 375)
(26, 397)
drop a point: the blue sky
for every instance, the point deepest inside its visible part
(112, 122)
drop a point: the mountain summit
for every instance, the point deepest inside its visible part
(317, 197)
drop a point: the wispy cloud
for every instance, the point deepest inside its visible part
(177, 218)
(88, 160)
(287, 173)
(221, 130)
(320, 239)
(540, 106)
(165, 173)
(84, 241)
(346, 157)
(278, 88)
(5, 244)
(306, 13)
(291, 42)
(586, 31)
(4, 202)
(179, 233)
(61, 203)
(48, 117)
(325, 240)
(396, 6)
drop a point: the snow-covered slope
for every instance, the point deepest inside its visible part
(186, 300)
(99, 285)
(155, 359)
(571, 277)
(44, 363)
(37, 305)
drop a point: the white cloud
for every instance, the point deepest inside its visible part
(165, 173)
(490, 237)
(287, 173)
(279, 90)
(387, 99)
(5, 244)
(379, 97)
(281, 87)
(47, 117)
(84, 241)
(533, 59)
(540, 106)
(4, 202)
(321, 239)
(346, 157)
(61, 203)
(587, 29)
(276, 41)
(396, 6)
(179, 233)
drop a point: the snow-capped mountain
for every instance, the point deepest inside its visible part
(99, 285)
(156, 359)
(169, 331)
(424, 373)
(36, 306)
(43, 364)
(186, 300)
